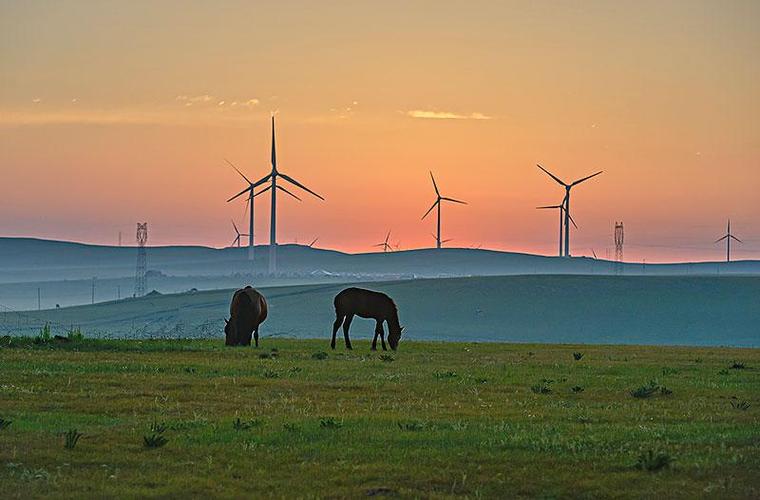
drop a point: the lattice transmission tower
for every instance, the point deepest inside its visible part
(619, 237)
(142, 259)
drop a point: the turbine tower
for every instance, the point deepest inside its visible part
(273, 187)
(437, 204)
(385, 245)
(238, 234)
(728, 237)
(142, 260)
(249, 205)
(566, 202)
(561, 208)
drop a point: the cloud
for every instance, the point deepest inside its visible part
(36, 100)
(445, 115)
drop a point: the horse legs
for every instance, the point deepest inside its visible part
(346, 326)
(382, 335)
(256, 335)
(338, 320)
(378, 332)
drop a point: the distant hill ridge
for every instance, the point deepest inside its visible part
(31, 259)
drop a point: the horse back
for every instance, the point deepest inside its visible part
(249, 305)
(363, 303)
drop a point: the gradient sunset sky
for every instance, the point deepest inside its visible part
(117, 112)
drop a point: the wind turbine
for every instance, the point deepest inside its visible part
(437, 203)
(566, 202)
(561, 208)
(386, 246)
(311, 245)
(249, 204)
(273, 187)
(236, 241)
(728, 237)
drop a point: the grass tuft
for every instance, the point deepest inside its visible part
(330, 423)
(737, 365)
(154, 441)
(71, 438)
(576, 389)
(541, 388)
(740, 405)
(5, 423)
(577, 356)
(320, 355)
(387, 358)
(653, 461)
(412, 425)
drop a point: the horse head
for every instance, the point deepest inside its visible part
(230, 334)
(394, 336)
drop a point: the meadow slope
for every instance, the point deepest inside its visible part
(553, 309)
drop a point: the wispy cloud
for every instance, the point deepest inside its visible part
(445, 115)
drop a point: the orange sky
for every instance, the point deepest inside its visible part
(113, 113)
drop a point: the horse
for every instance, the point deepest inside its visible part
(248, 310)
(367, 304)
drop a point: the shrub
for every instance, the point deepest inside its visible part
(240, 425)
(736, 365)
(44, 336)
(190, 369)
(5, 423)
(577, 356)
(387, 358)
(320, 355)
(653, 462)
(271, 374)
(75, 335)
(412, 425)
(157, 428)
(740, 405)
(577, 389)
(154, 441)
(541, 388)
(71, 438)
(646, 391)
(330, 423)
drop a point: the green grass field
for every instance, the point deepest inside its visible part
(432, 420)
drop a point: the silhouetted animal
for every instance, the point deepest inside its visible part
(248, 310)
(367, 304)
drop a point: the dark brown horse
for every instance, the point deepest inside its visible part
(367, 304)
(248, 310)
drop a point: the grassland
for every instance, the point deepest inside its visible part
(432, 420)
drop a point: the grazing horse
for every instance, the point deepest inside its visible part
(367, 304)
(248, 310)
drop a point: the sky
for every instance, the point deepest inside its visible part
(117, 112)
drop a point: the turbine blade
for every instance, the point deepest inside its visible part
(262, 180)
(573, 221)
(720, 239)
(285, 190)
(241, 193)
(293, 181)
(550, 206)
(435, 186)
(736, 239)
(263, 190)
(455, 201)
(387, 236)
(274, 149)
(237, 170)
(235, 226)
(551, 175)
(586, 178)
(430, 209)
(379, 245)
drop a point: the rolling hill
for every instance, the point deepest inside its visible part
(549, 308)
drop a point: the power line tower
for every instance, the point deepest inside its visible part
(142, 260)
(619, 236)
